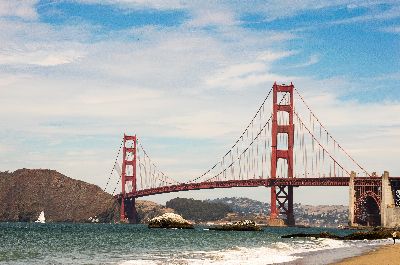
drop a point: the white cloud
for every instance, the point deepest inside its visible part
(226, 13)
(210, 16)
(36, 43)
(366, 131)
(157, 4)
(374, 15)
(159, 87)
(42, 56)
(392, 29)
(313, 59)
(352, 6)
(24, 9)
(192, 124)
(248, 75)
(203, 13)
(271, 56)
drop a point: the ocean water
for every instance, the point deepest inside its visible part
(122, 244)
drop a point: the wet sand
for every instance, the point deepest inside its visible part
(385, 255)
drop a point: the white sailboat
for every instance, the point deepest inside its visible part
(41, 219)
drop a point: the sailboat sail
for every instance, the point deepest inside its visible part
(41, 218)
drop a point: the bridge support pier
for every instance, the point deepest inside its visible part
(128, 211)
(281, 204)
(289, 213)
(352, 198)
(390, 214)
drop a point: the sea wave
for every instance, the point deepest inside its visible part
(278, 252)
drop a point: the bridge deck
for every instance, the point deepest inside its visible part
(297, 182)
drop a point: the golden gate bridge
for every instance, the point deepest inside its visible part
(283, 147)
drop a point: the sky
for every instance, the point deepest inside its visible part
(187, 77)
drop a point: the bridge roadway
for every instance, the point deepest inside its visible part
(297, 182)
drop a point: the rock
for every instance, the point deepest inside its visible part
(93, 220)
(245, 225)
(371, 235)
(382, 233)
(320, 235)
(170, 220)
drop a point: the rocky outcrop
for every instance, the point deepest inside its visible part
(379, 233)
(245, 225)
(170, 220)
(376, 233)
(319, 235)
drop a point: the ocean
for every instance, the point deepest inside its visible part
(123, 244)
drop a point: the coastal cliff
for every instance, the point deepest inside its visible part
(24, 193)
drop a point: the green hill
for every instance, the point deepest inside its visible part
(199, 210)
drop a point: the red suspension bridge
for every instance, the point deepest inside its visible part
(282, 147)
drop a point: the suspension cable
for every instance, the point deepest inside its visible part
(330, 136)
(154, 165)
(115, 163)
(237, 141)
(313, 136)
(250, 145)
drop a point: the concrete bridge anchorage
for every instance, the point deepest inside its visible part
(374, 201)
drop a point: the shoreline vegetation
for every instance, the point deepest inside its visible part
(387, 254)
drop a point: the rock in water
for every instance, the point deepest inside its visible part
(170, 220)
(245, 225)
(377, 233)
(320, 235)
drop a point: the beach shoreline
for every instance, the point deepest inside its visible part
(385, 254)
(330, 256)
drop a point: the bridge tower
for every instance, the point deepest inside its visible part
(128, 180)
(282, 196)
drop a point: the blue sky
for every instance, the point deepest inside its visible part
(187, 76)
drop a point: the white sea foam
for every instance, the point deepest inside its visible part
(139, 262)
(278, 252)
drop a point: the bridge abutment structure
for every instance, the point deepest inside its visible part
(390, 204)
(374, 201)
(278, 150)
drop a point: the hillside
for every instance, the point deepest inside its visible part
(309, 215)
(147, 210)
(198, 210)
(26, 192)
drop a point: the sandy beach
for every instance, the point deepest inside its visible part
(389, 254)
